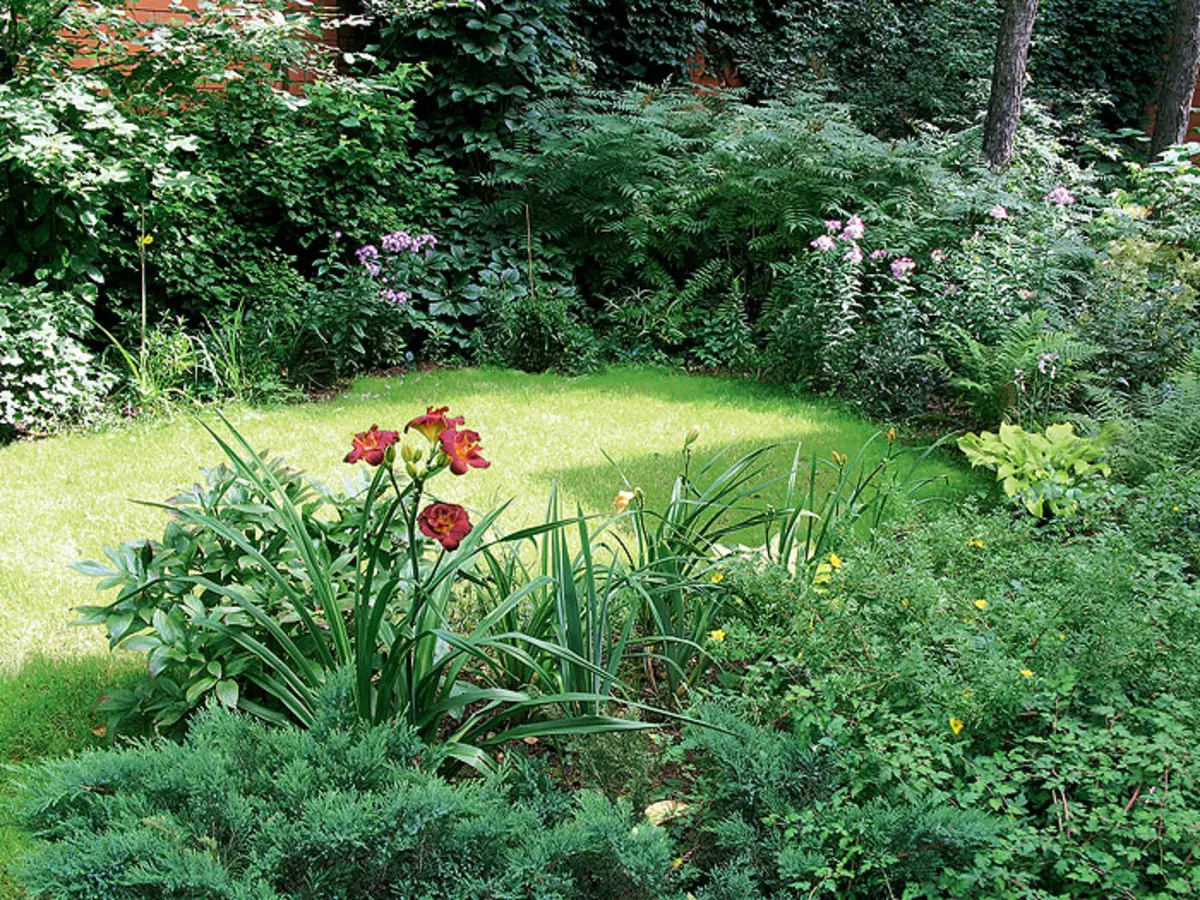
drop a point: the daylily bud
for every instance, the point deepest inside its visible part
(692, 436)
(411, 469)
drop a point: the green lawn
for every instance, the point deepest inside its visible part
(65, 498)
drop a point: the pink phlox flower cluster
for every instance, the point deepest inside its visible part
(391, 296)
(403, 242)
(854, 254)
(1048, 365)
(998, 212)
(824, 243)
(879, 254)
(903, 267)
(369, 257)
(833, 226)
(938, 256)
(855, 229)
(1061, 197)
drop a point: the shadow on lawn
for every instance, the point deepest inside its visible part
(595, 486)
(657, 384)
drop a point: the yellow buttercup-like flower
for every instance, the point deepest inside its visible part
(975, 542)
(1028, 673)
(956, 725)
(718, 635)
(1061, 636)
(981, 604)
(147, 240)
(717, 578)
(835, 560)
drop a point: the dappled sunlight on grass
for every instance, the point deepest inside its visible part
(67, 497)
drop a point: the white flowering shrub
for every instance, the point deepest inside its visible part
(46, 375)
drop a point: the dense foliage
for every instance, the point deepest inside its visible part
(808, 682)
(342, 809)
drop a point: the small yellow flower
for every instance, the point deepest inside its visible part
(718, 635)
(718, 577)
(1028, 673)
(1061, 636)
(824, 574)
(1175, 509)
(677, 862)
(835, 560)
(975, 542)
(838, 458)
(147, 240)
(891, 434)
(624, 498)
(904, 603)
(981, 604)
(956, 725)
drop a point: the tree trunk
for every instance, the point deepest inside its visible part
(1008, 81)
(1179, 83)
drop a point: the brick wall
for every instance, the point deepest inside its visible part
(154, 11)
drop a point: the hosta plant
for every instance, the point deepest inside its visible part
(1049, 474)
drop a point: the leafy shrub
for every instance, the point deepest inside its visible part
(1162, 425)
(48, 376)
(974, 663)
(1106, 47)
(344, 808)
(789, 810)
(1141, 313)
(674, 211)
(233, 177)
(1165, 514)
(484, 62)
(1049, 474)
(530, 327)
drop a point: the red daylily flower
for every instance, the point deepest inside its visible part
(462, 447)
(372, 445)
(446, 523)
(434, 422)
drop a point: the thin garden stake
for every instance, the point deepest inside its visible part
(529, 250)
(142, 254)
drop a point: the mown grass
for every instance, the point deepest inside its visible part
(66, 498)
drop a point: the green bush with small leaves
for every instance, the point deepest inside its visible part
(48, 377)
(976, 665)
(341, 809)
